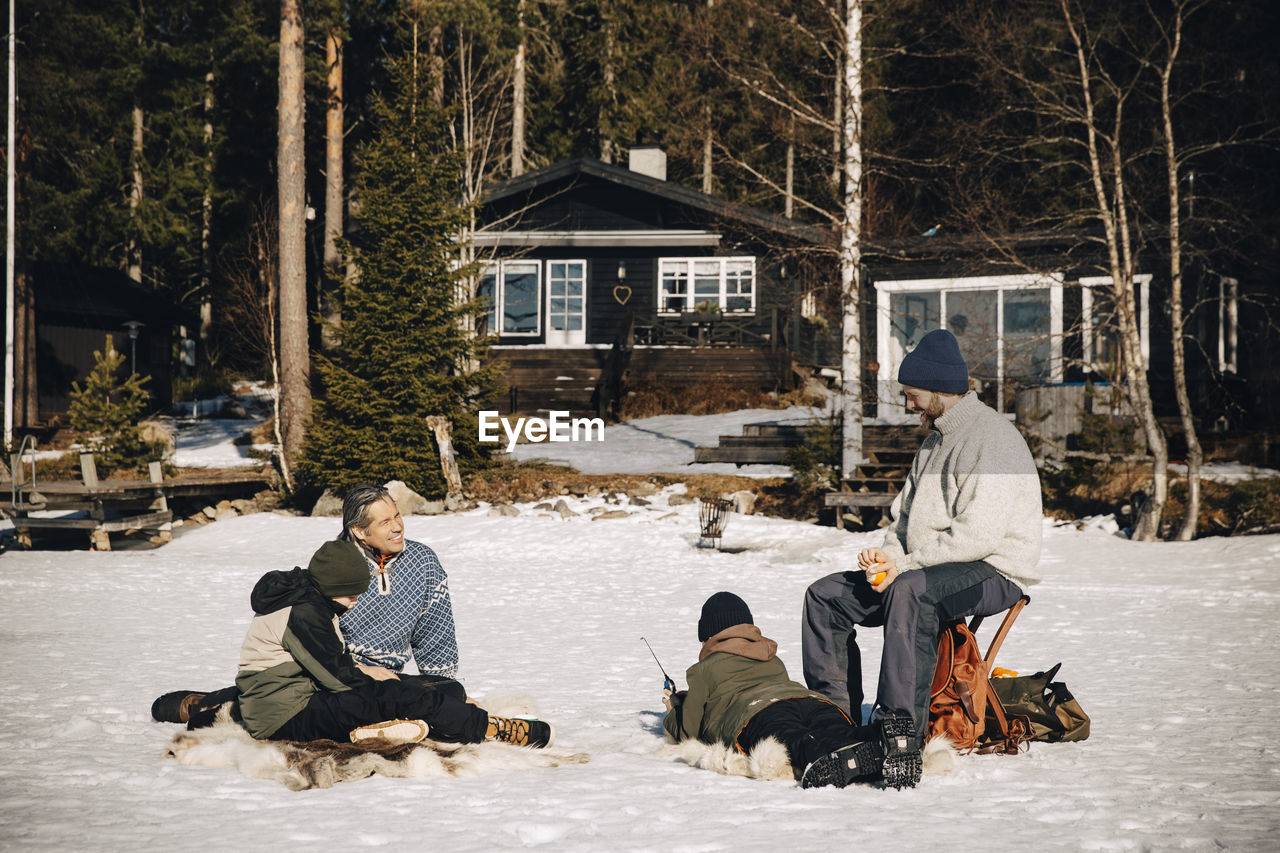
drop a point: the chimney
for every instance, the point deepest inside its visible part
(648, 160)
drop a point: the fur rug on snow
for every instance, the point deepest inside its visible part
(323, 763)
(768, 760)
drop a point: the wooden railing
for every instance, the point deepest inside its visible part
(700, 329)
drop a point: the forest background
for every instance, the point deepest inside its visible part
(150, 134)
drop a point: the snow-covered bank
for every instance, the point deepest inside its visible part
(664, 444)
(1171, 647)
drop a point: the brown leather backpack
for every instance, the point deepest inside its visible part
(963, 706)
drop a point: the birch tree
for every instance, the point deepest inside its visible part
(851, 241)
(821, 95)
(1171, 42)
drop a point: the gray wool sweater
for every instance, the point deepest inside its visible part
(973, 493)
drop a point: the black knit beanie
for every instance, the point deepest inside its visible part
(339, 569)
(936, 365)
(722, 610)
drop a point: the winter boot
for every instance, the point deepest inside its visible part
(891, 756)
(521, 731)
(854, 762)
(901, 747)
(394, 731)
(176, 707)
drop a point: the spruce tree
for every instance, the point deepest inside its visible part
(104, 413)
(403, 352)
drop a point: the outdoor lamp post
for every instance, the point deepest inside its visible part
(133, 326)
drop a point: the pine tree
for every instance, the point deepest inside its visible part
(104, 413)
(402, 350)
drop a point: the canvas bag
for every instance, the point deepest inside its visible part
(1053, 713)
(962, 705)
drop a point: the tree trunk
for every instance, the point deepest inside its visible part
(435, 47)
(206, 213)
(135, 162)
(608, 145)
(1195, 456)
(1112, 210)
(708, 174)
(334, 188)
(851, 243)
(295, 373)
(25, 389)
(135, 198)
(837, 122)
(517, 97)
(789, 200)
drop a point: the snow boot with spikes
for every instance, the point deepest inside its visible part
(855, 762)
(901, 749)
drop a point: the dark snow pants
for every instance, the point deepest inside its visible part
(333, 715)
(206, 712)
(912, 611)
(809, 729)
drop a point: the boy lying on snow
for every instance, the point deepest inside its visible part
(297, 680)
(739, 694)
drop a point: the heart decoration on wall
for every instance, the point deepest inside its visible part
(622, 293)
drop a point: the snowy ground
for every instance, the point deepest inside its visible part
(1171, 648)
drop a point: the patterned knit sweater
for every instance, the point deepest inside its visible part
(973, 493)
(406, 609)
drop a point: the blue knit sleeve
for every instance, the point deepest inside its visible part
(434, 643)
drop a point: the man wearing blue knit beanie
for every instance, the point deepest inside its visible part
(964, 540)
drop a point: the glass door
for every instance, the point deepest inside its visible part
(566, 303)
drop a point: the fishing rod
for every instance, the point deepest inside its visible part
(667, 683)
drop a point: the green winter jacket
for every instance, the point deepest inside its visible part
(292, 651)
(738, 674)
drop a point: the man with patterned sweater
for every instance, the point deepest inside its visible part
(965, 540)
(405, 611)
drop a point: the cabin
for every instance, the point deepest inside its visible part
(601, 279)
(65, 313)
(1035, 320)
(599, 276)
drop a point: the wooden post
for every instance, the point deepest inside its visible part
(448, 463)
(165, 532)
(88, 471)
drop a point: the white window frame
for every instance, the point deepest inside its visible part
(664, 264)
(497, 310)
(586, 286)
(1143, 283)
(1029, 281)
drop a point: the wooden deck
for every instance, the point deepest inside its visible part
(99, 508)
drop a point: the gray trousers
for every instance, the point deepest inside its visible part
(912, 611)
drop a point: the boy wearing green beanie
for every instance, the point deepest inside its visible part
(298, 681)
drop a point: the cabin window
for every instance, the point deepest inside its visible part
(1099, 326)
(728, 284)
(513, 291)
(1009, 328)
